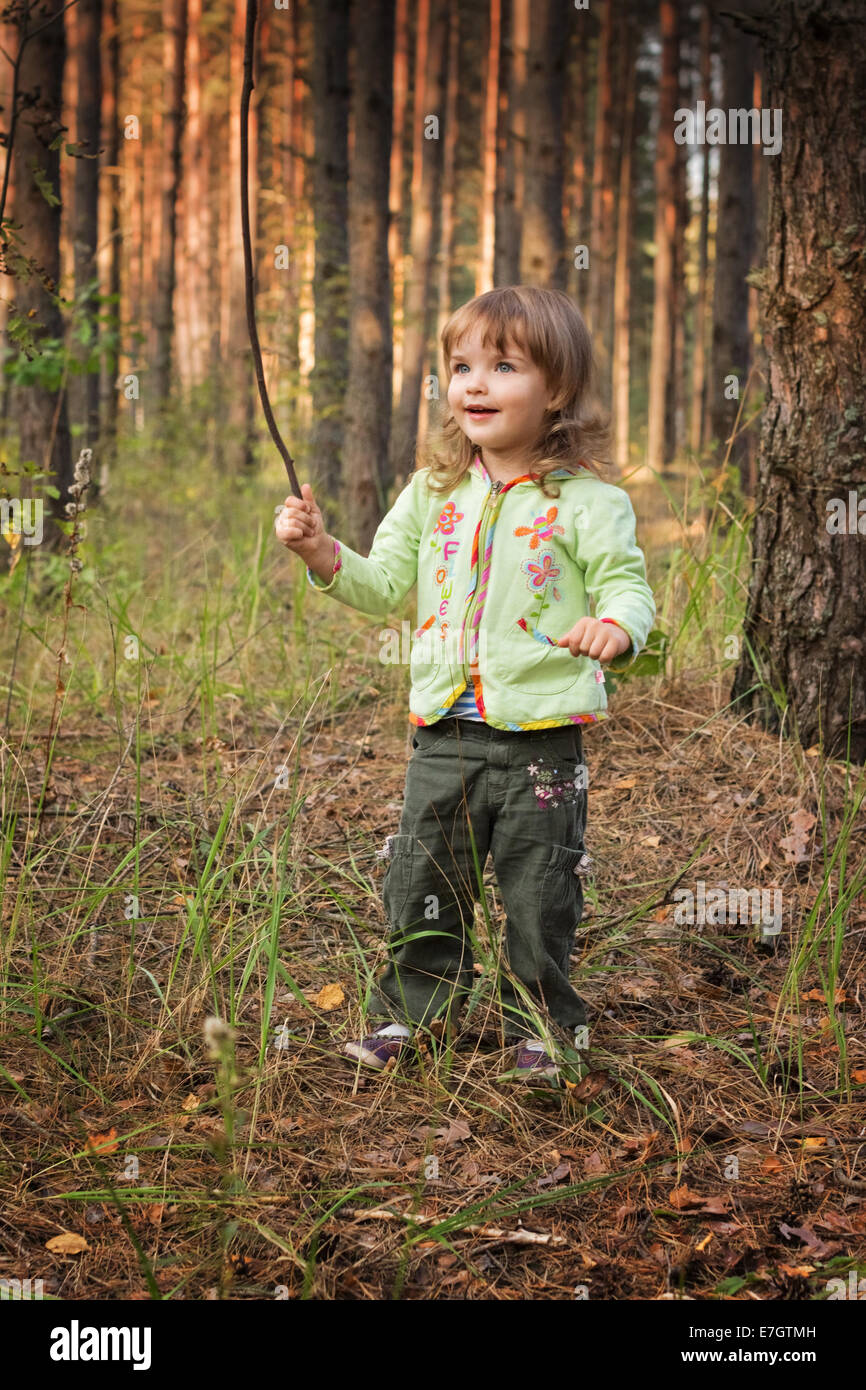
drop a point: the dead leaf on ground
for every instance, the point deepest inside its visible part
(796, 845)
(329, 997)
(103, 1143)
(67, 1243)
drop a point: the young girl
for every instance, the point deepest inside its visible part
(506, 532)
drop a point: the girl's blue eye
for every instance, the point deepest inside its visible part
(499, 364)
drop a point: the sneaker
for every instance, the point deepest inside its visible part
(377, 1049)
(533, 1061)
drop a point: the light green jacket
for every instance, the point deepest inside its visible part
(502, 573)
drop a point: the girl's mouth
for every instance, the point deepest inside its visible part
(479, 412)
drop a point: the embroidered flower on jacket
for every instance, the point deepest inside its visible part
(542, 528)
(541, 573)
(448, 518)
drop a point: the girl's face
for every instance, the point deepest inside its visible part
(498, 400)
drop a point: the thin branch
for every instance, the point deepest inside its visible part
(246, 92)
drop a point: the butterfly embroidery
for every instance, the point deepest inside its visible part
(541, 573)
(542, 528)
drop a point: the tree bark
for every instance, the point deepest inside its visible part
(577, 184)
(804, 619)
(699, 367)
(368, 398)
(174, 20)
(622, 280)
(427, 183)
(41, 410)
(730, 351)
(602, 244)
(84, 389)
(512, 142)
(484, 277)
(111, 171)
(543, 253)
(395, 228)
(665, 217)
(330, 283)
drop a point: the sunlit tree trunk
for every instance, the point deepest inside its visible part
(602, 241)
(512, 143)
(426, 186)
(484, 277)
(542, 247)
(661, 349)
(368, 397)
(84, 390)
(174, 22)
(625, 206)
(699, 369)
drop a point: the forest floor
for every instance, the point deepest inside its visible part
(716, 1148)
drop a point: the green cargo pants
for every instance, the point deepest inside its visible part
(524, 797)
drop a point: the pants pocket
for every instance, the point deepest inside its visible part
(397, 883)
(561, 894)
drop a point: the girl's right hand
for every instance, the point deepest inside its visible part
(299, 525)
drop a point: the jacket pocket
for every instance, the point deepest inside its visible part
(540, 667)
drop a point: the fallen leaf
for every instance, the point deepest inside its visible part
(589, 1086)
(329, 997)
(103, 1143)
(796, 1271)
(190, 1104)
(626, 782)
(796, 844)
(653, 841)
(67, 1243)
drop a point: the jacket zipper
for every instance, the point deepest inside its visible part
(495, 490)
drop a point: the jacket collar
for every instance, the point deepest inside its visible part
(478, 467)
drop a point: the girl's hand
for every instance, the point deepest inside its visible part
(592, 637)
(299, 525)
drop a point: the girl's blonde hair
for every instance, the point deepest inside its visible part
(550, 328)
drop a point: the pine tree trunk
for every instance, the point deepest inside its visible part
(622, 282)
(542, 247)
(41, 412)
(576, 122)
(84, 389)
(731, 350)
(238, 380)
(196, 168)
(484, 276)
(368, 397)
(426, 182)
(804, 618)
(512, 143)
(174, 22)
(699, 368)
(602, 245)
(665, 216)
(330, 99)
(395, 227)
(108, 383)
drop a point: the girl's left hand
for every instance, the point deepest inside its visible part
(592, 637)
